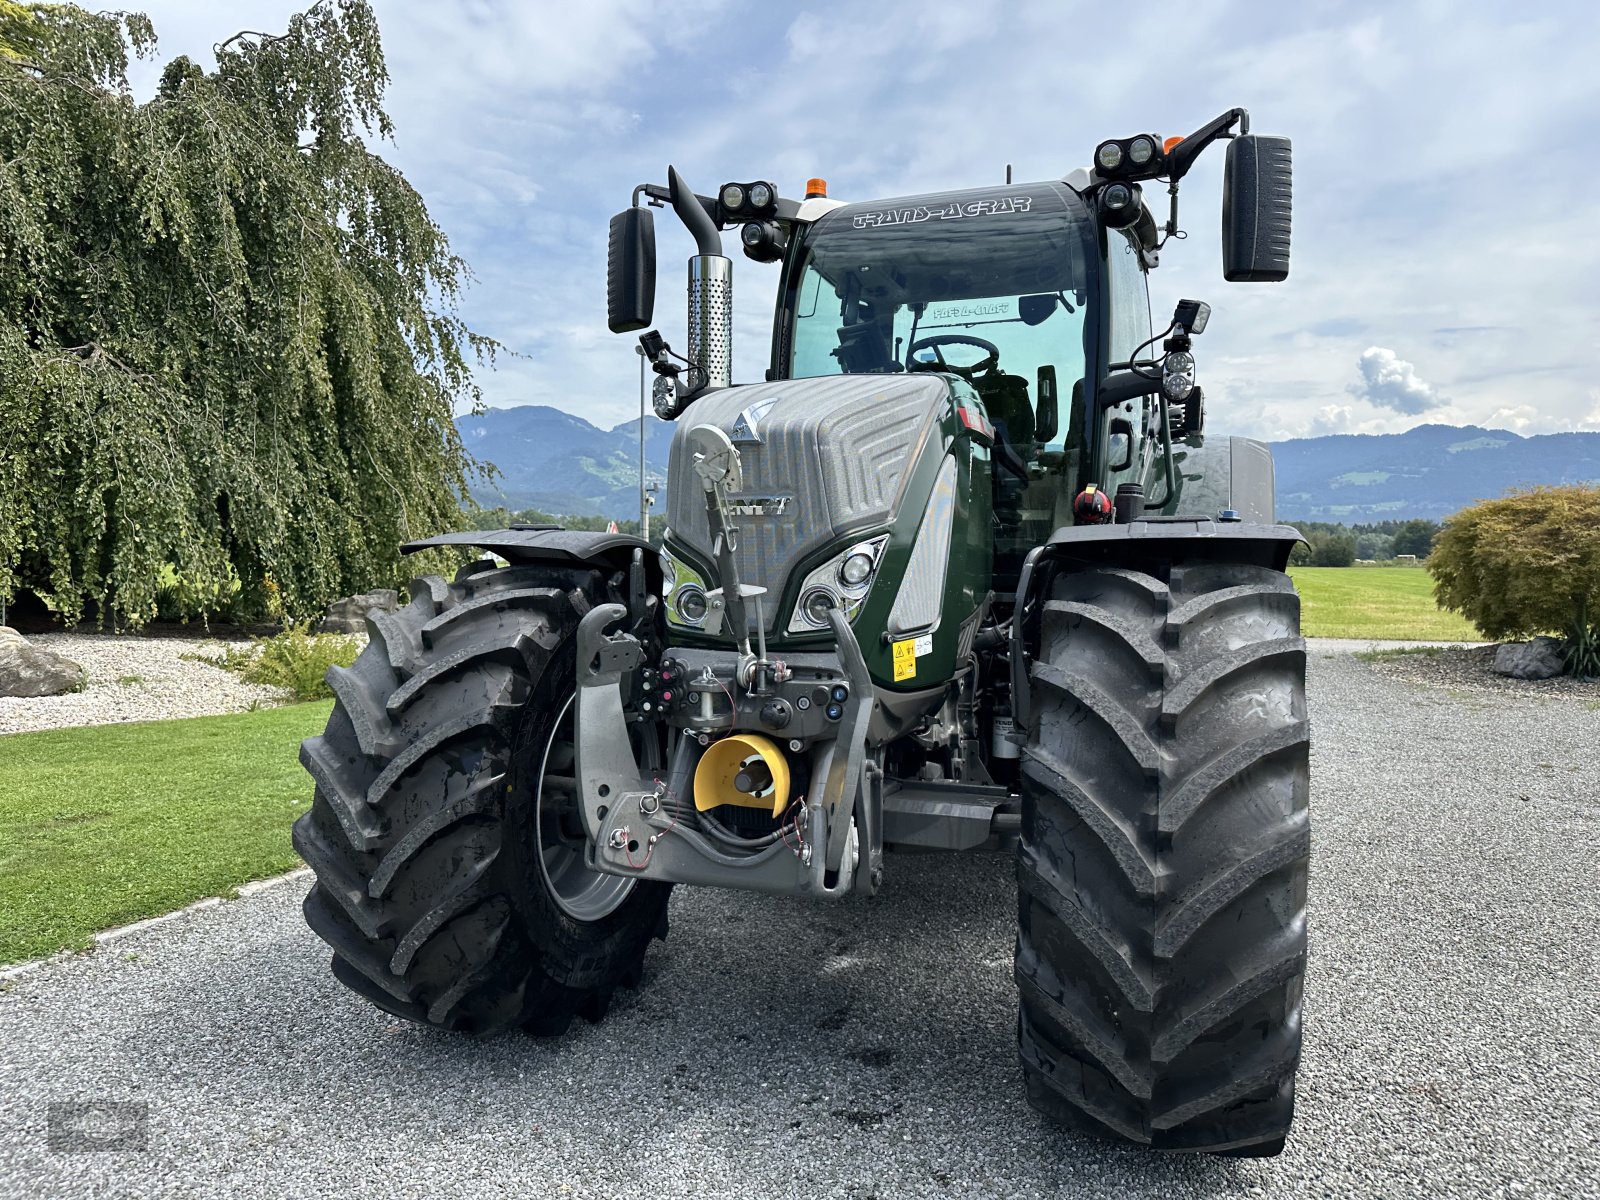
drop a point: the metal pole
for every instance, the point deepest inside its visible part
(644, 504)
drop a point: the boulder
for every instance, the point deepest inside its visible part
(1542, 658)
(30, 671)
(350, 614)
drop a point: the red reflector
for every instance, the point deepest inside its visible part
(976, 421)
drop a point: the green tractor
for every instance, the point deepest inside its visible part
(961, 573)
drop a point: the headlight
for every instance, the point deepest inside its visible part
(684, 590)
(1109, 156)
(842, 582)
(760, 195)
(690, 605)
(732, 196)
(856, 569)
(1141, 150)
(815, 606)
(1176, 387)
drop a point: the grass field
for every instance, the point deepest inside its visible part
(107, 824)
(1385, 603)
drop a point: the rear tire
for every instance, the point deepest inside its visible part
(444, 830)
(1163, 860)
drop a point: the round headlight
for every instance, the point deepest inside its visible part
(732, 195)
(753, 234)
(856, 570)
(1109, 156)
(760, 195)
(1176, 387)
(664, 398)
(1141, 150)
(692, 605)
(1117, 196)
(1178, 362)
(815, 606)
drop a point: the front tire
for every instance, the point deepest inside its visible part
(444, 834)
(1164, 855)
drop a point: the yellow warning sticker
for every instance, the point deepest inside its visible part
(905, 659)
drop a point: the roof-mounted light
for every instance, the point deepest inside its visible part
(1120, 204)
(1138, 157)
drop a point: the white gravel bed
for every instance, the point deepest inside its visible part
(134, 679)
(781, 1048)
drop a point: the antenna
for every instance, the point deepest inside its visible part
(1008, 173)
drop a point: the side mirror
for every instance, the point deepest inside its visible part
(1257, 196)
(631, 270)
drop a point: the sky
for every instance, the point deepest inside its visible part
(1446, 268)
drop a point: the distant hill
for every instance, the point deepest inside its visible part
(560, 463)
(1430, 471)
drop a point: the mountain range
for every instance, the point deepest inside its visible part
(560, 463)
(1431, 471)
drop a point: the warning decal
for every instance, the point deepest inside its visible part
(905, 659)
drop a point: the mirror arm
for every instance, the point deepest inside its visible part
(1181, 157)
(655, 194)
(1121, 386)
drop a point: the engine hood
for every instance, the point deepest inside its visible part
(820, 458)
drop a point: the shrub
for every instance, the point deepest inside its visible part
(296, 660)
(1333, 550)
(1527, 564)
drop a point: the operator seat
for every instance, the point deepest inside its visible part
(1005, 399)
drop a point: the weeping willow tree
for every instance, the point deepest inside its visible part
(229, 347)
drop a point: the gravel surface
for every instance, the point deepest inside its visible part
(785, 1049)
(134, 679)
(1471, 668)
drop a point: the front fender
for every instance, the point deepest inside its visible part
(1150, 544)
(553, 544)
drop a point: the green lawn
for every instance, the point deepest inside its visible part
(1385, 603)
(104, 825)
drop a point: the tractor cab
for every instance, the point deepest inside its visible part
(998, 286)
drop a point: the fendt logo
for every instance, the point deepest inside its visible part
(943, 212)
(759, 506)
(744, 429)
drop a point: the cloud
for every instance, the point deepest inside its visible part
(1591, 420)
(524, 126)
(1388, 381)
(1518, 419)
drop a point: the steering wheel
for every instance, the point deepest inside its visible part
(938, 341)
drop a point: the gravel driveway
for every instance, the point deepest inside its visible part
(784, 1049)
(135, 679)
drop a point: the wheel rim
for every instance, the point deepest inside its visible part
(582, 894)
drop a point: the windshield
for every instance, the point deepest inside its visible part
(992, 283)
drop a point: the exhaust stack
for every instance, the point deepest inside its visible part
(710, 288)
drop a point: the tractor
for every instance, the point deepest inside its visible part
(962, 572)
